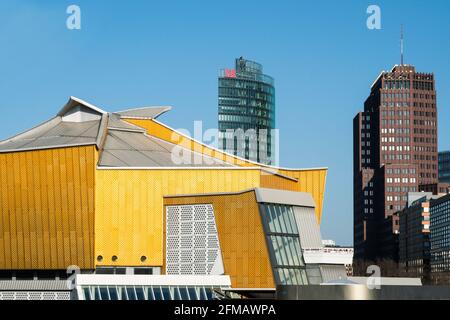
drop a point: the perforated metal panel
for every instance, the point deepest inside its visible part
(192, 242)
(34, 295)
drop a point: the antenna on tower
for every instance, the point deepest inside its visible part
(401, 45)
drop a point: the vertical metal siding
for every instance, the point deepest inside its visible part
(333, 272)
(129, 207)
(308, 228)
(47, 208)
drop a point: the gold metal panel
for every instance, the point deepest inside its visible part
(46, 208)
(129, 207)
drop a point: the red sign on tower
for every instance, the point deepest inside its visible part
(230, 73)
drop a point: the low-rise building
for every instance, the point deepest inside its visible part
(414, 238)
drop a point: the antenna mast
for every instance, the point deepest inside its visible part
(401, 45)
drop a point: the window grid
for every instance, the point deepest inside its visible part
(284, 241)
(147, 293)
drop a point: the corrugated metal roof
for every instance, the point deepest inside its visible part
(309, 229)
(54, 133)
(333, 272)
(136, 149)
(114, 122)
(144, 113)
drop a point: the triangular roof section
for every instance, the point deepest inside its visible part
(75, 102)
(78, 123)
(145, 113)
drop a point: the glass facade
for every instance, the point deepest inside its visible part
(247, 102)
(440, 235)
(147, 293)
(444, 166)
(284, 244)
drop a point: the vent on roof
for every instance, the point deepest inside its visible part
(81, 114)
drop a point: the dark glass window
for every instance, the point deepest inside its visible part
(97, 293)
(184, 293)
(123, 292)
(113, 293)
(158, 293)
(176, 294)
(143, 271)
(87, 294)
(104, 293)
(166, 293)
(150, 294)
(192, 294)
(140, 293)
(131, 293)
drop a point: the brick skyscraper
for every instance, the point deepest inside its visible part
(395, 152)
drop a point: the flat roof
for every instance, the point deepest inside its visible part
(152, 280)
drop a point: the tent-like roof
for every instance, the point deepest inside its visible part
(53, 134)
(121, 144)
(137, 149)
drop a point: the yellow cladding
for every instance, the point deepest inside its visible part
(241, 235)
(47, 208)
(309, 180)
(129, 207)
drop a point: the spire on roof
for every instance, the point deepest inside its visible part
(401, 45)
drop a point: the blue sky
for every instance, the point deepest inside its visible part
(137, 53)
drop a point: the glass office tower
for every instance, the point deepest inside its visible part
(444, 166)
(247, 112)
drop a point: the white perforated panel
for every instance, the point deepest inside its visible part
(34, 295)
(192, 242)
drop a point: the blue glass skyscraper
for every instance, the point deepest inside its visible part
(247, 111)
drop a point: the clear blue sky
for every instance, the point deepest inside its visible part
(137, 53)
